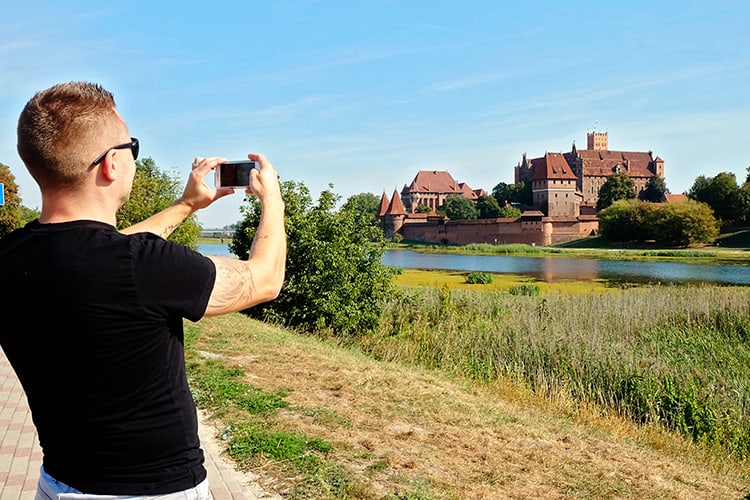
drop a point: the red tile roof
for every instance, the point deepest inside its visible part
(551, 166)
(435, 181)
(675, 198)
(603, 163)
(383, 208)
(396, 207)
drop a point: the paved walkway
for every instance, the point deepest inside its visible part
(21, 457)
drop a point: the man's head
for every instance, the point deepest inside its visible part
(62, 130)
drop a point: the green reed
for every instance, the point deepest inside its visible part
(676, 356)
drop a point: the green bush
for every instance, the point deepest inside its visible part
(479, 278)
(670, 224)
(529, 290)
(335, 280)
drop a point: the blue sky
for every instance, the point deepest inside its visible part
(364, 94)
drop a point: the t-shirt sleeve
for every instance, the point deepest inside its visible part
(172, 279)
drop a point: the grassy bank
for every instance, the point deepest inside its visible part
(638, 393)
(675, 356)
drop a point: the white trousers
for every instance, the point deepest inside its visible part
(50, 488)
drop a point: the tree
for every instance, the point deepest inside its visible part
(683, 224)
(626, 220)
(365, 204)
(519, 193)
(335, 280)
(744, 201)
(522, 194)
(153, 191)
(618, 186)
(721, 193)
(655, 190)
(487, 207)
(459, 207)
(29, 214)
(699, 191)
(501, 192)
(11, 213)
(508, 212)
(667, 224)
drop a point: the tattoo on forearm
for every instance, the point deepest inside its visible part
(235, 286)
(168, 230)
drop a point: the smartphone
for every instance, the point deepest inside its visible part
(234, 174)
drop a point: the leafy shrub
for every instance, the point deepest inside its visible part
(479, 278)
(671, 224)
(335, 280)
(530, 290)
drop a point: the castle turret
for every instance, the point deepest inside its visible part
(393, 218)
(383, 208)
(597, 141)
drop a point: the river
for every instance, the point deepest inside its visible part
(555, 269)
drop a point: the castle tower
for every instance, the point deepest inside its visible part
(393, 218)
(384, 203)
(553, 186)
(597, 141)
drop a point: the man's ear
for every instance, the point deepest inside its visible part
(108, 168)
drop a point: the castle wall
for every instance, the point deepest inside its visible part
(563, 230)
(499, 231)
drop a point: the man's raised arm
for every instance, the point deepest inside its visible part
(197, 195)
(242, 284)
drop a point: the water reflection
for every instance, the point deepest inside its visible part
(556, 269)
(580, 269)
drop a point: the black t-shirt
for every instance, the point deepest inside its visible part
(93, 328)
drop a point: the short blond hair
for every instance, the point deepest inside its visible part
(61, 130)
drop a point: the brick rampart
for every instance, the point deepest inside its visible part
(544, 231)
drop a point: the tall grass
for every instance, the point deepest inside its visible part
(508, 249)
(676, 356)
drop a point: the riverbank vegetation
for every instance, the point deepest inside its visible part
(480, 393)
(673, 355)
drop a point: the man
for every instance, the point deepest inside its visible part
(99, 347)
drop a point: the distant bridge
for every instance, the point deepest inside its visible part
(216, 233)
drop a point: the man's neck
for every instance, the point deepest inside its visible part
(66, 209)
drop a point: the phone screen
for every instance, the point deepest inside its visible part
(234, 174)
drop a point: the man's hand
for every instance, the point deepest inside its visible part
(197, 193)
(264, 182)
(242, 284)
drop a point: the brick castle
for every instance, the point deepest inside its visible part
(565, 188)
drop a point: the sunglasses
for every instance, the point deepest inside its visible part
(133, 145)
